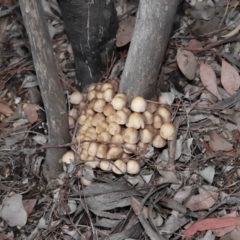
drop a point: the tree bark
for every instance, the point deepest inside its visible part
(150, 38)
(91, 27)
(50, 85)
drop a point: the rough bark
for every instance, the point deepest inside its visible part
(50, 86)
(91, 27)
(150, 38)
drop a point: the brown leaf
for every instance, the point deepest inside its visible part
(218, 143)
(31, 113)
(193, 43)
(202, 201)
(209, 79)
(136, 205)
(187, 63)
(28, 205)
(6, 110)
(230, 78)
(125, 31)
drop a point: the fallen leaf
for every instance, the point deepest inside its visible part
(28, 205)
(218, 143)
(230, 78)
(31, 113)
(202, 201)
(233, 32)
(209, 79)
(125, 31)
(6, 110)
(211, 223)
(222, 231)
(136, 205)
(13, 211)
(187, 63)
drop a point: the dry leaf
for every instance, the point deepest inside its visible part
(187, 63)
(218, 143)
(209, 79)
(28, 205)
(229, 78)
(202, 201)
(211, 223)
(222, 231)
(6, 110)
(125, 31)
(136, 205)
(31, 113)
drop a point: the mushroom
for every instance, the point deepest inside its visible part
(91, 133)
(118, 103)
(145, 136)
(76, 98)
(133, 167)
(85, 143)
(97, 118)
(142, 147)
(119, 167)
(108, 94)
(130, 135)
(159, 142)
(98, 86)
(157, 121)
(165, 114)
(88, 112)
(99, 105)
(151, 107)
(92, 163)
(162, 100)
(68, 157)
(121, 117)
(92, 149)
(106, 165)
(81, 106)
(85, 182)
(114, 128)
(91, 87)
(167, 131)
(71, 122)
(117, 138)
(84, 155)
(129, 148)
(136, 120)
(91, 103)
(106, 86)
(108, 110)
(114, 152)
(83, 129)
(138, 104)
(73, 113)
(82, 119)
(121, 95)
(101, 127)
(104, 137)
(91, 95)
(115, 84)
(99, 95)
(110, 119)
(102, 151)
(148, 117)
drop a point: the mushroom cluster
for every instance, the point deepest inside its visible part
(112, 129)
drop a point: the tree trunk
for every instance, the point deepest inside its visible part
(91, 27)
(150, 38)
(50, 85)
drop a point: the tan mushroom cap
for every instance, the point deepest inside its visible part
(121, 117)
(117, 138)
(76, 98)
(108, 94)
(114, 128)
(159, 142)
(138, 104)
(91, 95)
(133, 167)
(114, 152)
(73, 113)
(165, 114)
(119, 167)
(108, 110)
(99, 105)
(152, 107)
(129, 148)
(97, 118)
(106, 165)
(118, 103)
(157, 121)
(106, 86)
(102, 151)
(101, 127)
(136, 120)
(167, 131)
(145, 135)
(92, 149)
(104, 137)
(68, 157)
(71, 122)
(130, 135)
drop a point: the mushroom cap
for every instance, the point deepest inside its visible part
(73, 113)
(91, 103)
(165, 114)
(68, 157)
(121, 95)
(118, 103)
(114, 152)
(117, 138)
(157, 121)
(101, 127)
(104, 137)
(121, 117)
(145, 136)
(108, 94)
(97, 118)
(102, 151)
(129, 148)
(138, 104)
(108, 110)
(76, 98)
(167, 131)
(106, 165)
(136, 120)
(99, 105)
(92, 149)
(92, 163)
(148, 117)
(142, 147)
(100, 95)
(130, 135)
(119, 167)
(106, 86)
(152, 107)
(85, 182)
(133, 167)
(114, 128)
(84, 155)
(91, 133)
(91, 95)
(71, 122)
(159, 142)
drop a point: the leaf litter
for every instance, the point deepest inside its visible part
(188, 189)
